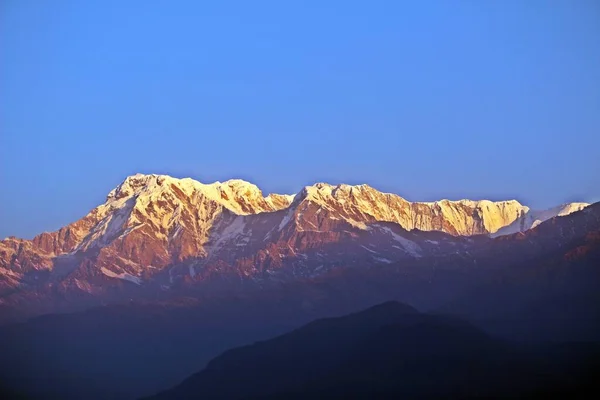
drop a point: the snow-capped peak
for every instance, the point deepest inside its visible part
(531, 218)
(177, 211)
(236, 195)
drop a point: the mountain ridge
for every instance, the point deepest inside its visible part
(162, 232)
(220, 191)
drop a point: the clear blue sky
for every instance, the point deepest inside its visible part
(427, 99)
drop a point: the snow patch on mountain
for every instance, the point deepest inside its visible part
(409, 246)
(286, 219)
(383, 260)
(369, 250)
(125, 276)
(233, 232)
(111, 226)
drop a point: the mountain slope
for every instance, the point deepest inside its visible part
(548, 290)
(387, 350)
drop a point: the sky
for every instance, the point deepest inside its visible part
(426, 99)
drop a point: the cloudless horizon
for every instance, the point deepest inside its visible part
(426, 99)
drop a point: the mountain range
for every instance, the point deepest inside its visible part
(149, 287)
(156, 236)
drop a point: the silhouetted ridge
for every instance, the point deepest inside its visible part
(385, 351)
(315, 339)
(387, 308)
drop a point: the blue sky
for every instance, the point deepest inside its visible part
(427, 99)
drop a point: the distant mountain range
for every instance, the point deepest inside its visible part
(157, 237)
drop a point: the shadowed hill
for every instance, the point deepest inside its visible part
(386, 351)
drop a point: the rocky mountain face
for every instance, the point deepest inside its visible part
(155, 235)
